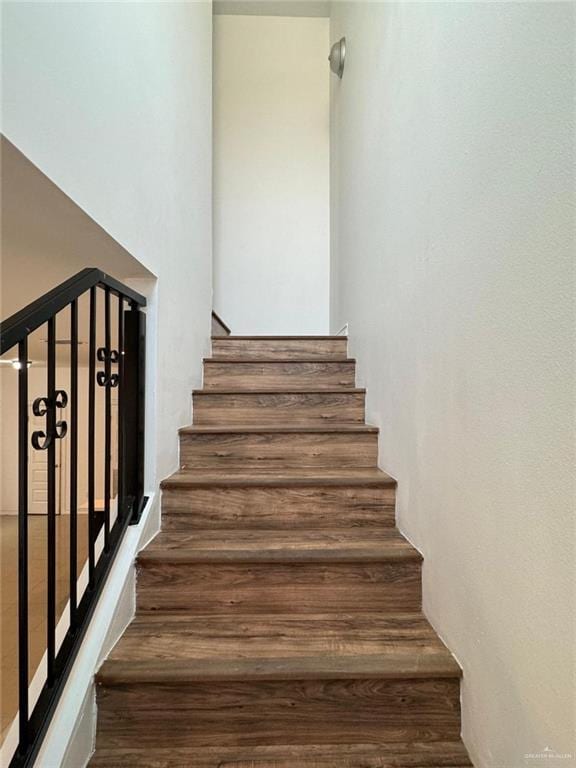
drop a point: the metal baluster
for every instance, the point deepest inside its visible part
(73, 463)
(107, 419)
(91, 438)
(51, 483)
(23, 543)
(129, 377)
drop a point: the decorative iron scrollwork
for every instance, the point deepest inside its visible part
(112, 357)
(42, 406)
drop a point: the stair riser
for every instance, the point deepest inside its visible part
(228, 588)
(279, 408)
(294, 374)
(280, 349)
(278, 712)
(269, 452)
(278, 508)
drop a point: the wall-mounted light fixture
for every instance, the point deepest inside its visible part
(337, 57)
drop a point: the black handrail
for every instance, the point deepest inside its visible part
(123, 369)
(21, 324)
(216, 317)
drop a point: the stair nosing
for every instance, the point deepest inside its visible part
(270, 755)
(331, 558)
(274, 360)
(254, 429)
(294, 756)
(312, 667)
(278, 338)
(331, 390)
(392, 548)
(177, 480)
(180, 617)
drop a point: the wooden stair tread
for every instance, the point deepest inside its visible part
(278, 338)
(439, 754)
(165, 635)
(392, 665)
(212, 429)
(408, 627)
(368, 761)
(288, 546)
(201, 478)
(284, 390)
(374, 760)
(275, 360)
(277, 648)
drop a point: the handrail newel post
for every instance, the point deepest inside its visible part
(133, 399)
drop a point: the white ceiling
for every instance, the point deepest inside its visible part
(313, 8)
(46, 238)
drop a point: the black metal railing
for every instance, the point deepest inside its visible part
(102, 490)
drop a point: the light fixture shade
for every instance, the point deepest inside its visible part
(337, 57)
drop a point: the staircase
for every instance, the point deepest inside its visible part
(279, 614)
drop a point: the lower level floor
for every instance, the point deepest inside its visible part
(37, 597)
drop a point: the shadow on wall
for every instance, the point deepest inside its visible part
(46, 237)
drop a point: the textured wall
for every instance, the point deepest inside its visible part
(453, 258)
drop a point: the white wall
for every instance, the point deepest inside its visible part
(271, 161)
(453, 245)
(112, 101)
